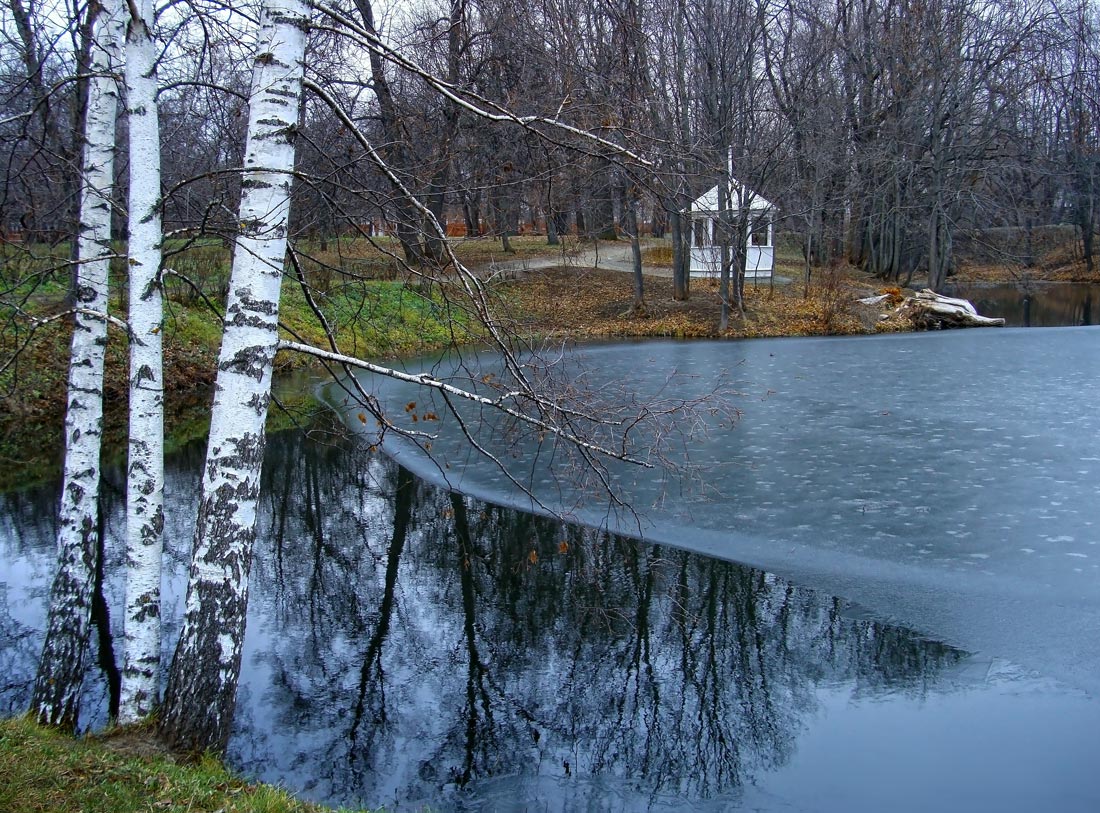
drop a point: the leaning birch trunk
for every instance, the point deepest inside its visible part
(202, 683)
(145, 472)
(61, 668)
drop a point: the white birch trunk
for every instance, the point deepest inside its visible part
(145, 472)
(202, 684)
(61, 667)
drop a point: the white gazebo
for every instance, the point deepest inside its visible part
(706, 251)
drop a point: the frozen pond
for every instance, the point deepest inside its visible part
(918, 634)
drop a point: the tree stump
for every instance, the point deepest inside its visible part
(931, 311)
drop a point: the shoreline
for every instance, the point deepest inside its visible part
(583, 295)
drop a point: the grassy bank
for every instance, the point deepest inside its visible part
(42, 771)
(372, 314)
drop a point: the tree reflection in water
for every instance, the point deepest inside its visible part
(407, 645)
(411, 645)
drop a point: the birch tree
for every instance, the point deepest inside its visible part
(145, 472)
(199, 699)
(56, 696)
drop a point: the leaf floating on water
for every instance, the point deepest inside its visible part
(533, 557)
(362, 418)
(563, 547)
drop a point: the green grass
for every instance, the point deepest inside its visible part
(380, 312)
(378, 318)
(374, 319)
(42, 771)
(38, 271)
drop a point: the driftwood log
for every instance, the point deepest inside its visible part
(931, 311)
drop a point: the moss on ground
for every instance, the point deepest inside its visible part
(122, 771)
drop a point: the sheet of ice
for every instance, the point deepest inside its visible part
(947, 481)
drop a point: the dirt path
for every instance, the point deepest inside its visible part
(604, 256)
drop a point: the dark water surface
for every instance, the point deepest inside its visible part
(409, 647)
(1036, 304)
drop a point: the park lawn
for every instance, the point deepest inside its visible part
(123, 771)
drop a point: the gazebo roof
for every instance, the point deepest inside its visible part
(708, 201)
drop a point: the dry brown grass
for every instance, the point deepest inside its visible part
(657, 256)
(589, 303)
(1062, 263)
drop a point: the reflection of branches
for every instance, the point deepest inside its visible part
(19, 646)
(657, 667)
(371, 703)
(637, 679)
(478, 736)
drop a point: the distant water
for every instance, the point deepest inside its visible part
(1036, 304)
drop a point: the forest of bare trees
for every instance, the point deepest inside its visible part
(882, 129)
